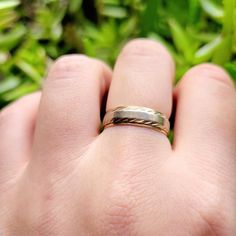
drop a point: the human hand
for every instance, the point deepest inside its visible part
(60, 176)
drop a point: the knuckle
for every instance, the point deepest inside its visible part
(70, 66)
(210, 72)
(145, 47)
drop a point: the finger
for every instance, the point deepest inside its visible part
(69, 114)
(143, 76)
(16, 134)
(205, 119)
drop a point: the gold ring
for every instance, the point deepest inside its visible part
(137, 116)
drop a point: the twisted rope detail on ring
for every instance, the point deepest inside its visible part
(137, 121)
(137, 116)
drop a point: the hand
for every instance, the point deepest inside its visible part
(60, 176)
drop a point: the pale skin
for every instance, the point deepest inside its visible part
(60, 176)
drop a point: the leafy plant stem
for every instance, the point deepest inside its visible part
(225, 49)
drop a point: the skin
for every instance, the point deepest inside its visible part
(60, 176)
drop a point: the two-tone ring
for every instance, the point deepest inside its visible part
(137, 116)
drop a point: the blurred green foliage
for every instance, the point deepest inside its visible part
(34, 33)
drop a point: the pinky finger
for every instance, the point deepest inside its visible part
(17, 123)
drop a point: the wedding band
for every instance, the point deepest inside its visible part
(137, 116)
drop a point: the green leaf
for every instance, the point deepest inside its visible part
(8, 4)
(112, 2)
(205, 52)
(9, 84)
(212, 9)
(181, 39)
(74, 5)
(150, 17)
(229, 16)
(231, 68)
(115, 11)
(7, 18)
(20, 91)
(194, 10)
(3, 57)
(223, 51)
(9, 40)
(30, 71)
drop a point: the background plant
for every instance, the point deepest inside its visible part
(34, 33)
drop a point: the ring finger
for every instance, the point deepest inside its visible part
(143, 77)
